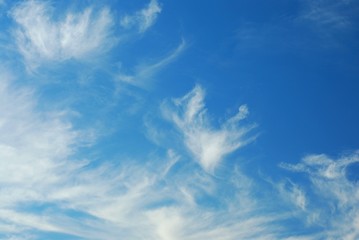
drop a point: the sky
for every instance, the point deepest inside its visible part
(172, 120)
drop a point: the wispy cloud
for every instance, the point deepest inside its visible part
(45, 189)
(327, 22)
(334, 197)
(144, 72)
(33, 150)
(75, 36)
(143, 19)
(328, 16)
(209, 145)
(49, 185)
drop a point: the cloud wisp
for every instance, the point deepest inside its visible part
(330, 18)
(327, 14)
(143, 19)
(39, 37)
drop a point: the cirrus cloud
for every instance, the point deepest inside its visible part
(39, 37)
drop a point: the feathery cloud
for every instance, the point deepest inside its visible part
(46, 190)
(48, 186)
(207, 144)
(39, 37)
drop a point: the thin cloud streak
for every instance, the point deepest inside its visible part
(144, 72)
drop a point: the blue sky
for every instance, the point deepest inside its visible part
(171, 120)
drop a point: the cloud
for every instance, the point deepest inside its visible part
(33, 155)
(207, 144)
(328, 23)
(143, 19)
(48, 186)
(334, 197)
(43, 186)
(45, 189)
(30, 138)
(328, 16)
(39, 37)
(144, 72)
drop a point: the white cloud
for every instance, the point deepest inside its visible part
(41, 141)
(208, 145)
(144, 72)
(77, 36)
(34, 149)
(44, 189)
(37, 169)
(334, 201)
(143, 19)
